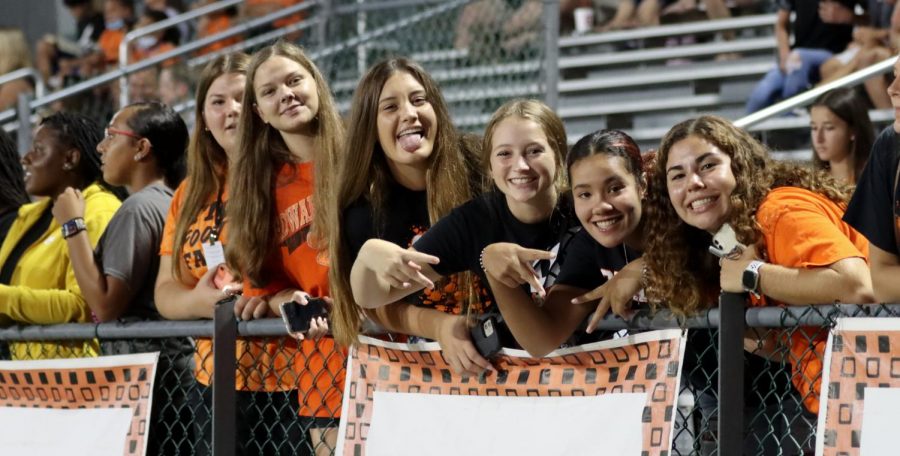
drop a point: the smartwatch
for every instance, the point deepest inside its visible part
(73, 227)
(750, 279)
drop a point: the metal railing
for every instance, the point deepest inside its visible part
(809, 96)
(727, 324)
(22, 73)
(664, 31)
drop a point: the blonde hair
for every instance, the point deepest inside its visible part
(15, 53)
(541, 114)
(251, 210)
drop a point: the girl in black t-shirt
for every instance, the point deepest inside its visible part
(524, 146)
(405, 167)
(608, 186)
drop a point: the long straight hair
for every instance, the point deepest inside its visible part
(452, 178)
(847, 105)
(252, 208)
(207, 163)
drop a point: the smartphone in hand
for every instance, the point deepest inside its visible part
(725, 243)
(297, 316)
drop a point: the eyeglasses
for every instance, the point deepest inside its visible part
(110, 132)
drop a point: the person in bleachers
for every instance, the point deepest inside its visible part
(172, 8)
(513, 25)
(647, 13)
(154, 43)
(37, 281)
(820, 29)
(211, 24)
(143, 151)
(841, 134)
(874, 209)
(254, 9)
(12, 192)
(191, 277)
(15, 55)
(798, 250)
(872, 43)
(405, 166)
(144, 85)
(118, 18)
(56, 57)
(281, 183)
(176, 84)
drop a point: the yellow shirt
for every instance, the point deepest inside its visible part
(43, 289)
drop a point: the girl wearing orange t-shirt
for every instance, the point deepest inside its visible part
(279, 214)
(190, 279)
(799, 250)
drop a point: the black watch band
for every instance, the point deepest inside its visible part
(73, 227)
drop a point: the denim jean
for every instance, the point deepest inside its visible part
(776, 85)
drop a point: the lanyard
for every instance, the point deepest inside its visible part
(218, 219)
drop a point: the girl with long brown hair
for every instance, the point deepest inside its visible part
(842, 134)
(405, 167)
(524, 148)
(798, 250)
(192, 277)
(290, 143)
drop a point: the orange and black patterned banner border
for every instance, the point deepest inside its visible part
(861, 353)
(648, 363)
(124, 381)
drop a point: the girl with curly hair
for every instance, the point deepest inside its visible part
(603, 260)
(798, 252)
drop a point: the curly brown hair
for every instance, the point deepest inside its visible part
(683, 275)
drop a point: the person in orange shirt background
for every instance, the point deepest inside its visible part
(191, 277)
(214, 23)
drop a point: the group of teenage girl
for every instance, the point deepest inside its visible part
(396, 217)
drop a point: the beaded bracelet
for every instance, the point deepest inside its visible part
(481, 260)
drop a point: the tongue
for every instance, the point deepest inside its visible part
(410, 143)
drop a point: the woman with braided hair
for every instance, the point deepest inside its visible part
(12, 193)
(37, 282)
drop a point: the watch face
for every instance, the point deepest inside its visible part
(750, 278)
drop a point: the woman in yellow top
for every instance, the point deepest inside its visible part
(37, 282)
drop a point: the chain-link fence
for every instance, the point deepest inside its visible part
(280, 396)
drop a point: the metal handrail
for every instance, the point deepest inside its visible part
(359, 39)
(29, 72)
(810, 95)
(162, 25)
(717, 25)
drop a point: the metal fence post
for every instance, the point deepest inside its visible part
(551, 53)
(224, 416)
(731, 373)
(23, 111)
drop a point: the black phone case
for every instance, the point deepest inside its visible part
(297, 316)
(486, 336)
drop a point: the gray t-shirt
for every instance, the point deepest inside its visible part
(128, 249)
